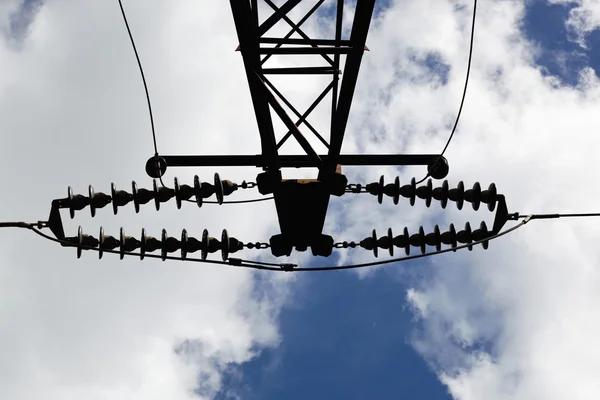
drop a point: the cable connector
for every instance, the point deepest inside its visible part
(288, 267)
(235, 261)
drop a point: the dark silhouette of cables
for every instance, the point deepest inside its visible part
(464, 94)
(261, 265)
(139, 63)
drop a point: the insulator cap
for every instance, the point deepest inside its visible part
(101, 243)
(457, 195)
(143, 196)
(77, 202)
(224, 245)
(482, 233)
(490, 197)
(370, 243)
(391, 189)
(162, 194)
(434, 238)
(84, 241)
(426, 192)
(122, 241)
(218, 188)
(184, 244)
(198, 190)
(143, 243)
(473, 196)
(119, 198)
(410, 191)
(204, 249)
(178, 194)
(228, 187)
(466, 236)
(127, 243)
(97, 200)
(422, 243)
(441, 194)
(79, 241)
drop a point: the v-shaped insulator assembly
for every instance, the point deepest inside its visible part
(166, 244)
(422, 240)
(160, 194)
(459, 195)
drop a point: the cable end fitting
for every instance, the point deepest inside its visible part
(288, 267)
(234, 261)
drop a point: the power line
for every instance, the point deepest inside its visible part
(261, 265)
(553, 216)
(137, 57)
(139, 63)
(464, 94)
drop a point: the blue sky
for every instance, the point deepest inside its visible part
(349, 338)
(518, 321)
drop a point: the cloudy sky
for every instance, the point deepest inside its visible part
(517, 321)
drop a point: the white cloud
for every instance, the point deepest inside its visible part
(74, 114)
(584, 18)
(516, 321)
(519, 320)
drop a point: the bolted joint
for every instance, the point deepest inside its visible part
(323, 246)
(268, 181)
(439, 168)
(156, 167)
(336, 182)
(280, 246)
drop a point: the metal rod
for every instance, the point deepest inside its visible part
(358, 37)
(308, 50)
(290, 124)
(291, 107)
(300, 32)
(336, 59)
(291, 32)
(297, 161)
(306, 114)
(300, 71)
(276, 16)
(308, 42)
(244, 19)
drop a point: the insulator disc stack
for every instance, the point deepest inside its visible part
(158, 194)
(166, 244)
(421, 240)
(443, 193)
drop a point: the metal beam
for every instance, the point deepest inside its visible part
(290, 124)
(244, 19)
(307, 42)
(291, 107)
(358, 38)
(336, 58)
(298, 25)
(310, 50)
(300, 71)
(298, 161)
(306, 114)
(277, 16)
